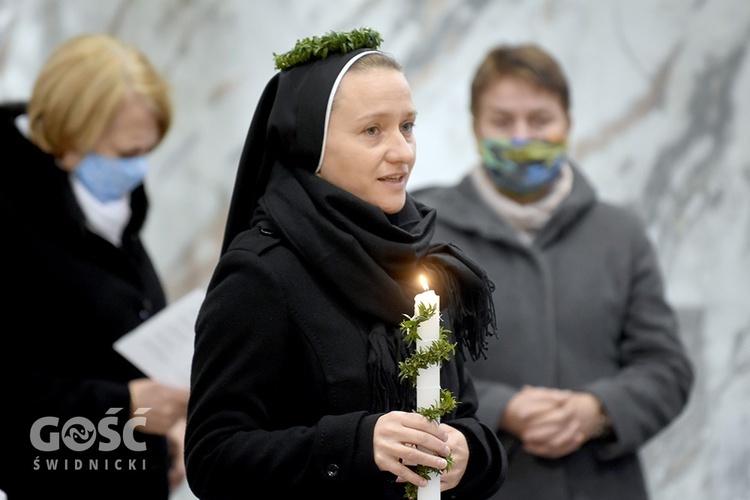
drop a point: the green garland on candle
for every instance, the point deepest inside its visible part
(441, 349)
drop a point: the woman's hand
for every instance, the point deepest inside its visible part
(176, 443)
(403, 439)
(459, 453)
(552, 423)
(167, 404)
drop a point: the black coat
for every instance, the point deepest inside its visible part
(280, 395)
(69, 294)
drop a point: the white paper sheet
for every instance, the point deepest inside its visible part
(162, 347)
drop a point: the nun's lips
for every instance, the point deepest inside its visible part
(396, 182)
(395, 178)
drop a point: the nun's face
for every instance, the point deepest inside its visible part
(370, 148)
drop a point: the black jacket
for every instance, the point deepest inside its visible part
(291, 384)
(69, 294)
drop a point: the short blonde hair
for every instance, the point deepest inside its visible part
(81, 86)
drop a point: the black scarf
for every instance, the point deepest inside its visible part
(374, 260)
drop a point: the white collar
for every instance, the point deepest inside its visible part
(109, 219)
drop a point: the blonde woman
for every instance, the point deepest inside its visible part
(85, 422)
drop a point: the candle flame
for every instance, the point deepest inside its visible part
(423, 280)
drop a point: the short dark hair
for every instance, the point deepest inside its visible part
(526, 62)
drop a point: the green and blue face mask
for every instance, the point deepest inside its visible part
(522, 166)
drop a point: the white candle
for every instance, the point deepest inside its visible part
(428, 379)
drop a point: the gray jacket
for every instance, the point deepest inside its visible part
(583, 308)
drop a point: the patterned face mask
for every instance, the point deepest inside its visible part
(108, 178)
(522, 166)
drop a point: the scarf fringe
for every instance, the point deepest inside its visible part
(470, 309)
(386, 351)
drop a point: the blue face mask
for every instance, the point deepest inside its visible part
(522, 167)
(108, 178)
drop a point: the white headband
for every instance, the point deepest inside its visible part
(330, 100)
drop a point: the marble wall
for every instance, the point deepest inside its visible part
(661, 104)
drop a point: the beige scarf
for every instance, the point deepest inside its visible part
(525, 218)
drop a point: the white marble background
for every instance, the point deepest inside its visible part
(661, 104)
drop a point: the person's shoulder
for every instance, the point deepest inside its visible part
(621, 214)
(12, 109)
(257, 240)
(438, 195)
(9, 122)
(613, 212)
(256, 259)
(621, 224)
(432, 190)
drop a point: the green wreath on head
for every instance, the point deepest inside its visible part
(440, 350)
(332, 42)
